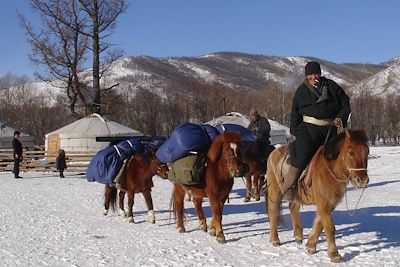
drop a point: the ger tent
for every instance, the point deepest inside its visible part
(7, 135)
(81, 135)
(278, 131)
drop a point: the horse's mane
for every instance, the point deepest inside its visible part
(216, 147)
(333, 147)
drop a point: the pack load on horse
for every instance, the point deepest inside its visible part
(344, 158)
(139, 172)
(106, 164)
(223, 163)
(185, 152)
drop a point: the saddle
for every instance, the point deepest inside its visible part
(305, 179)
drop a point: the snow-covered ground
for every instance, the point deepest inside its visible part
(45, 220)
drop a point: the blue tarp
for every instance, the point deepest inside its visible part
(211, 131)
(185, 138)
(106, 164)
(246, 135)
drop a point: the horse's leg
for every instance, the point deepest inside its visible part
(329, 229)
(273, 197)
(107, 197)
(248, 187)
(296, 222)
(216, 223)
(131, 200)
(314, 235)
(121, 209)
(198, 205)
(256, 179)
(149, 203)
(179, 198)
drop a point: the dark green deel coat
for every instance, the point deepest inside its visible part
(328, 101)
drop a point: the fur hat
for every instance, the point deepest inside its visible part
(312, 67)
(253, 111)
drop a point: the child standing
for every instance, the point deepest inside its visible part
(60, 162)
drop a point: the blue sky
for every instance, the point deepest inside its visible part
(336, 30)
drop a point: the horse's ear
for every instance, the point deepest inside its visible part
(215, 150)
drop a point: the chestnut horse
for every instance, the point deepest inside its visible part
(252, 156)
(343, 159)
(223, 164)
(139, 175)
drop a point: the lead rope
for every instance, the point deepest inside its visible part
(352, 212)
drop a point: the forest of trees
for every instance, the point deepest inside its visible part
(158, 113)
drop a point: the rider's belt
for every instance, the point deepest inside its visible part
(319, 122)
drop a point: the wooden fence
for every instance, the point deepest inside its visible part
(41, 161)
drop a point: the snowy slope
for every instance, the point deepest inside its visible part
(48, 221)
(386, 82)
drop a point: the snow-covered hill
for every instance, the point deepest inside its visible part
(242, 72)
(385, 82)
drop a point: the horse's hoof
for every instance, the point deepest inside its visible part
(311, 250)
(212, 232)
(298, 240)
(221, 240)
(203, 227)
(276, 243)
(336, 258)
(257, 198)
(181, 230)
(150, 217)
(131, 220)
(105, 212)
(246, 199)
(121, 213)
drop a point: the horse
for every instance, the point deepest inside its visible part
(222, 165)
(343, 159)
(253, 157)
(139, 175)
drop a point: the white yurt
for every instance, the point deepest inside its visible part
(7, 135)
(278, 132)
(81, 135)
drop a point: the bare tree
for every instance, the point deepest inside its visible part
(102, 18)
(59, 46)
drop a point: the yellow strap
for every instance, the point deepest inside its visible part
(319, 122)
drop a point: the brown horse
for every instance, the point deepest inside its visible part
(139, 175)
(344, 158)
(252, 157)
(223, 164)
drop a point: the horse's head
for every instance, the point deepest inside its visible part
(227, 147)
(157, 167)
(351, 148)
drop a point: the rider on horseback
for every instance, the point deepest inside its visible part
(318, 103)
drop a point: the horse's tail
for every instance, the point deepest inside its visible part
(113, 198)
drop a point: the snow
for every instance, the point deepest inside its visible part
(48, 221)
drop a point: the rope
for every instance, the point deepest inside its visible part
(352, 212)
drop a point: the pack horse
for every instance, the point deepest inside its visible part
(223, 164)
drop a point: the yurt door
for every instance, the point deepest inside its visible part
(53, 146)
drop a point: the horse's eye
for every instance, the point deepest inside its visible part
(351, 153)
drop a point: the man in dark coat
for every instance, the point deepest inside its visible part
(318, 103)
(17, 148)
(261, 127)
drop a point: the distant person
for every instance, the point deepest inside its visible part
(17, 151)
(260, 126)
(319, 103)
(61, 165)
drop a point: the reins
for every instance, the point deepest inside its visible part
(347, 179)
